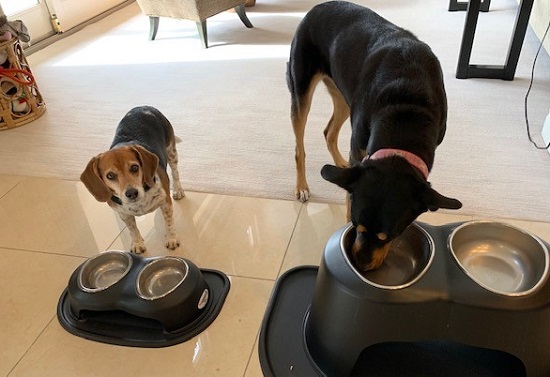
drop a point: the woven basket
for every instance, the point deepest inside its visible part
(20, 99)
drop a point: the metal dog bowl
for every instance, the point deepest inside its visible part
(499, 257)
(409, 258)
(104, 270)
(161, 277)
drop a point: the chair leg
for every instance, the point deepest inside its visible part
(153, 27)
(242, 15)
(201, 27)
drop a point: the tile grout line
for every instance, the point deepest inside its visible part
(290, 239)
(13, 188)
(31, 345)
(257, 337)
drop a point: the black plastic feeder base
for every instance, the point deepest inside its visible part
(124, 329)
(283, 351)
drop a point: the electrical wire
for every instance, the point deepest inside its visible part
(529, 90)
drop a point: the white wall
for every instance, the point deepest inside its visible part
(540, 17)
(73, 12)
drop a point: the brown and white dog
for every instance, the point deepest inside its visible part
(131, 176)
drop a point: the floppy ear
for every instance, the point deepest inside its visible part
(343, 177)
(149, 164)
(435, 201)
(93, 182)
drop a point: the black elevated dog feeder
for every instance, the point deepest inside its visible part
(463, 299)
(122, 298)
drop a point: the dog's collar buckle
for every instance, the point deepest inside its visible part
(411, 158)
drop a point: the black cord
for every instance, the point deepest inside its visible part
(529, 90)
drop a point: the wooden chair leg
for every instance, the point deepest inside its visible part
(201, 27)
(153, 27)
(242, 15)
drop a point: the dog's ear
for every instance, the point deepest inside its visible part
(149, 164)
(343, 177)
(435, 200)
(93, 181)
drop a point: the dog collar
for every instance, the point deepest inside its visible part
(411, 158)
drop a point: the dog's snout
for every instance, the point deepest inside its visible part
(132, 193)
(366, 255)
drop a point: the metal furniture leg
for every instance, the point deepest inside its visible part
(455, 5)
(466, 70)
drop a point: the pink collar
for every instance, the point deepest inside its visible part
(411, 158)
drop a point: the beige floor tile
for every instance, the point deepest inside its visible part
(31, 286)
(254, 368)
(240, 236)
(223, 349)
(56, 216)
(8, 182)
(317, 222)
(442, 218)
(542, 230)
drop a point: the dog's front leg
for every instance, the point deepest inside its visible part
(138, 244)
(168, 214)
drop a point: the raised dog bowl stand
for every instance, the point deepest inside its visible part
(122, 298)
(443, 314)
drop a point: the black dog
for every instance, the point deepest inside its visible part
(391, 83)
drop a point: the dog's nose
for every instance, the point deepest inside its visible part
(131, 193)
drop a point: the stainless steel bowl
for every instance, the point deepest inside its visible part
(160, 277)
(409, 258)
(103, 270)
(499, 257)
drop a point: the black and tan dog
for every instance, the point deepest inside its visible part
(392, 86)
(131, 176)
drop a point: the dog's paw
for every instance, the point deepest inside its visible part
(172, 243)
(178, 194)
(302, 195)
(342, 164)
(138, 248)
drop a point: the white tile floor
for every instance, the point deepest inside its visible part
(49, 227)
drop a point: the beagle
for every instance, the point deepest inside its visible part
(131, 176)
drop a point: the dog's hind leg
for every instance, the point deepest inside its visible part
(300, 106)
(339, 116)
(172, 156)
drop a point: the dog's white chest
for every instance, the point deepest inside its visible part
(150, 201)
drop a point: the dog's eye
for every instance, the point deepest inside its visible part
(134, 168)
(111, 176)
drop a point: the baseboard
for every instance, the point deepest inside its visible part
(56, 37)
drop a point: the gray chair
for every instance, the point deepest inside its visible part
(194, 10)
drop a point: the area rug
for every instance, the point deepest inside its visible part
(229, 105)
